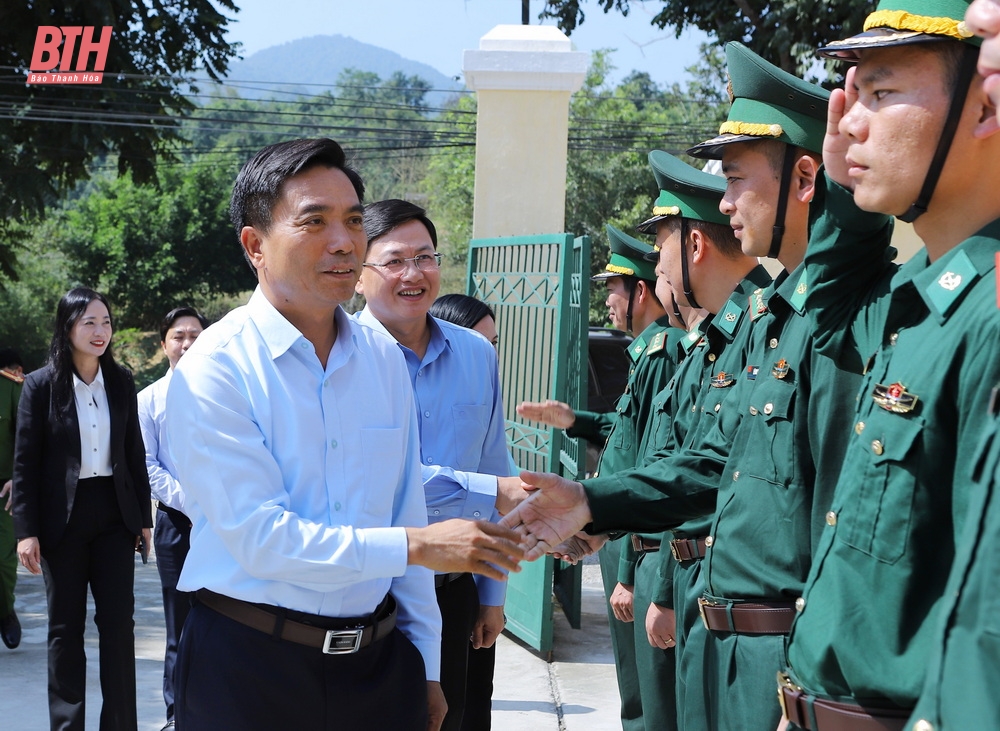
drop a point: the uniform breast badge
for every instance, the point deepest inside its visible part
(780, 369)
(723, 380)
(894, 398)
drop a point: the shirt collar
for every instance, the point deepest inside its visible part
(98, 380)
(280, 335)
(435, 346)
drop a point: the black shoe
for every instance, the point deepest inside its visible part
(10, 630)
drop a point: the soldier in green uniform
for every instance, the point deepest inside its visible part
(964, 670)
(633, 306)
(914, 135)
(794, 406)
(704, 265)
(11, 378)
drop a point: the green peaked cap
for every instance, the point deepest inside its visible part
(627, 257)
(768, 104)
(902, 22)
(685, 191)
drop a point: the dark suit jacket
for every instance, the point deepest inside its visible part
(47, 458)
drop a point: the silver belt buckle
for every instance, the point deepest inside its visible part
(342, 641)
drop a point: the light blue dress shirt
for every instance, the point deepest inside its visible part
(463, 446)
(152, 406)
(299, 479)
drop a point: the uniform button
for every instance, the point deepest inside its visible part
(736, 475)
(427, 414)
(694, 408)
(718, 406)
(711, 357)
(430, 460)
(336, 506)
(773, 343)
(800, 604)
(859, 427)
(477, 514)
(877, 447)
(420, 373)
(831, 518)
(95, 449)
(753, 411)
(892, 341)
(437, 512)
(709, 541)
(768, 408)
(923, 725)
(333, 443)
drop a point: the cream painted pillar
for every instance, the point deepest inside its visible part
(523, 75)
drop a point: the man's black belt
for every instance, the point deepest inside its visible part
(273, 621)
(445, 579)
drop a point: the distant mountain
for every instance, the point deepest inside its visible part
(319, 60)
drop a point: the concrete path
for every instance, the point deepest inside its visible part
(577, 691)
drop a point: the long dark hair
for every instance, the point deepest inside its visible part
(70, 309)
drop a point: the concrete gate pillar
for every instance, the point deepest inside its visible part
(523, 75)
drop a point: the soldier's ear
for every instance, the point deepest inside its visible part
(988, 123)
(804, 176)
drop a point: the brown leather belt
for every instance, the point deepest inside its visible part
(819, 714)
(331, 641)
(766, 618)
(643, 545)
(688, 549)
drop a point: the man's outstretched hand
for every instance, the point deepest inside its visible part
(461, 546)
(555, 511)
(554, 413)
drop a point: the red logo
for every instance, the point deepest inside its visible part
(58, 46)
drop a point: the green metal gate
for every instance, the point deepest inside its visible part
(539, 287)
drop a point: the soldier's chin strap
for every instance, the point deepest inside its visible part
(778, 232)
(677, 311)
(966, 69)
(685, 279)
(628, 310)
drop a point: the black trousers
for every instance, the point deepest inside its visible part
(479, 689)
(96, 550)
(172, 540)
(230, 676)
(459, 604)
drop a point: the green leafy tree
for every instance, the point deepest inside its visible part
(50, 135)
(787, 33)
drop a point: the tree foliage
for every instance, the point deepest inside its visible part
(51, 134)
(787, 33)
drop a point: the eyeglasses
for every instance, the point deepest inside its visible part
(423, 262)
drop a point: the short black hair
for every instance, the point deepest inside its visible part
(176, 314)
(383, 216)
(461, 309)
(721, 234)
(10, 357)
(258, 185)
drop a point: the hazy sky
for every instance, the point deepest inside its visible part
(436, 32)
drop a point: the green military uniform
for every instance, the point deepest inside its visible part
(10, 393)
(789, 423)
(654, 355)
(926, 336)
(964, 672)
(674, 489)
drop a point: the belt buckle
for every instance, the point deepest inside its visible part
(702, 603)
(342, 641)
(674, 552)
(784, 681)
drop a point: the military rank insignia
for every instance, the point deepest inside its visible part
(780, 369)
(757, 305)
(752, 372)
(15, 377)
(723, 380)
(894, 398)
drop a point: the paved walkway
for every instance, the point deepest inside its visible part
(577, 691)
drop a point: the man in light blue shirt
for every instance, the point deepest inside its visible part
(171, 536)
(293, 431)
(459, 407)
